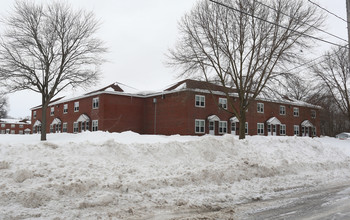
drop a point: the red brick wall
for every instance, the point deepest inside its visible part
(16, 127)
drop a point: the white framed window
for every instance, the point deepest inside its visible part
(95, 103)
(52, 112)
(65, 108)
(223, 103)
(13, 132)
(282, 110)
(2, 132)
(296, 112)
(13, 125)
(200, 101)
(282, 129)
(34, 114)
(314, 131)
(313, 114)
(296, 130)
(64, 127)
(75, 127)
(222, 127)
(2, 125)
(20, 132)
(260, 128)
(94, 125)
(246, 128)
(20, 126)
(199, 126)
(76, 106)
(260, 107)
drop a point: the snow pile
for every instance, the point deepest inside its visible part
(127, 175)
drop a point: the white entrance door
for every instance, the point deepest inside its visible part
(233, 128)
(274, 130)
(212, 127)
(269, 130)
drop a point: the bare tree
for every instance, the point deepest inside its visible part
(47, 48)
(334, 74)
(3, 107)
(242, 43)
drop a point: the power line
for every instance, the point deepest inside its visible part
(333, 35)
(251, 15)
(328, 11)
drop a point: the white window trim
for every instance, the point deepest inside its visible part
(284, 112)
(223, 103)
(94, 101)
(312, 114)
(75, 127)
(259, 129)
(295, 110)
(76, 106)
(195, 101)
(285, 129)
(34, 114)
(221, 127)
(261, 109)
(298, 129)
(52, 111)
(65, 110)
(93, 125)
(195, 126)
(64, 127)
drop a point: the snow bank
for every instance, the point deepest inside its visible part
(127, 175)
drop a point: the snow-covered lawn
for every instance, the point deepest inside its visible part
(127, 175)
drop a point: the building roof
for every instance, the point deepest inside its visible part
(14, 121)
(184, 85)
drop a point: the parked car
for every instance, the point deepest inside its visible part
(343, 136)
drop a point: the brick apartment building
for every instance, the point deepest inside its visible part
(15, 126)
(186, 108)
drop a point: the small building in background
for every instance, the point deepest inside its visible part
(343, 136)
(15, 126)
(188, 107)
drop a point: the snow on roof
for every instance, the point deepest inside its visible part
(273, 121)
(14, 121)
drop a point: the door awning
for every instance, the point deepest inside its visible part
(213, 118)
(307, 123)
(56, 121)
(37, 123)
(273, 121)
(27, 130)
(83, 118)
(234, 119)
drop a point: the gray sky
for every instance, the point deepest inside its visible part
(138, 34)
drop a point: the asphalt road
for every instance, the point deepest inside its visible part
(328, 203)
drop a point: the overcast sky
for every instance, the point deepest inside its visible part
(138, 34)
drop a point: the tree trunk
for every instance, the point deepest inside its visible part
(43, 122)
(242, 120)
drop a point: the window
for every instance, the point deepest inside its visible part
(34, 114)
(64, 127)
(12, 131)
(87, 125)
(222, 127)
(20, 132)
(52, 112)
(51, 128)
(233, 127)
(58, 128)
(296, 130)
(2, 131)
(296, 112)
(246, 128)
(260, 128)
(2, 125)
(76, 127)
(13, 125)
(314, 131)
(94, 125)
(199, 125)
(282, 129)
(20, 126)
(200, 101)
(260, 107)
(223, 103)
(313, 114)
(282, 110)
(95, 103)
(76, 106)
(65, 108)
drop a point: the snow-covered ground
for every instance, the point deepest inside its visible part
(130, 176)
